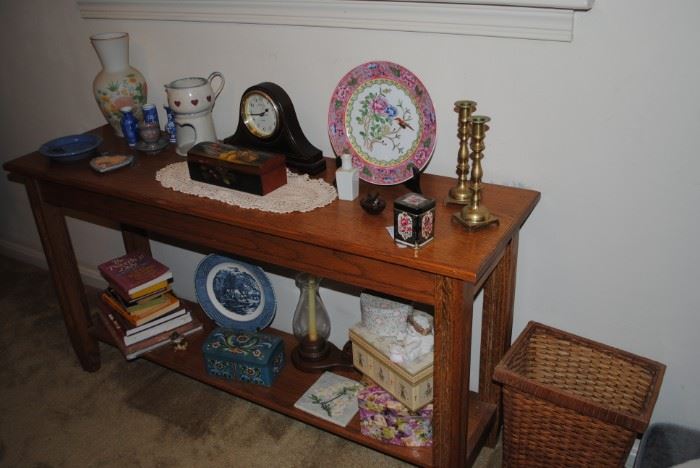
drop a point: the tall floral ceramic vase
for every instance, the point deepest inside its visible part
(118, 84)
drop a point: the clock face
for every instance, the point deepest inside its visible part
(260, 114)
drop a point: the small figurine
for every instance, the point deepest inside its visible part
(179, 342)
(170, 125)
(416, 342)
(129, 126)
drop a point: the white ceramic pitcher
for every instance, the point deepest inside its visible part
(194, 95)
(191, 101)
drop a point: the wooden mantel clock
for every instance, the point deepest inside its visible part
(268, 122)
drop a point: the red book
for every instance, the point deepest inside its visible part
(134, 272)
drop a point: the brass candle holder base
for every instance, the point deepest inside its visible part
(458, 198)
(319, 355)
(475, 218)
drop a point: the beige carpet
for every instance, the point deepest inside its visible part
(133, 414)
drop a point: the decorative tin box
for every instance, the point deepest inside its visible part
(244, 355)
(383, 417)
(410, 383)
(414, 219)
(237, 168)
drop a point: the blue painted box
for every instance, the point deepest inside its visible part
(244, 355)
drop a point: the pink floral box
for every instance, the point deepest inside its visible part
(387, 419)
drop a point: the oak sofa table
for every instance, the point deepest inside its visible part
(339, 241)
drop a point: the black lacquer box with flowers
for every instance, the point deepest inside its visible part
(237, 168)
(414, 219)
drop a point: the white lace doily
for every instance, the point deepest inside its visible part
(300, 193)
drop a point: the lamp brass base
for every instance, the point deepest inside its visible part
(319, 356)
(475, 223)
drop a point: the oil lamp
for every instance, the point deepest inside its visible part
(312, 327)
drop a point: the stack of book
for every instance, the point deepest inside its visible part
(139, 309)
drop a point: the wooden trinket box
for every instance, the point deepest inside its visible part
(237, 168)
(411, 384)
(243, 355)
(384, 418)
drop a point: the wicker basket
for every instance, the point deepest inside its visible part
(569, 401)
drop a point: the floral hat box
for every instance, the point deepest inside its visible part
(385, 418)
(244, 355)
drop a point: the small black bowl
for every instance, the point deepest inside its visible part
(373, 203)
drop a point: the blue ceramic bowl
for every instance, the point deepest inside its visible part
(71, 148)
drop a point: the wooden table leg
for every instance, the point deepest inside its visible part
(135, 239)
(51, 224)
(453, 331)
(497, 328)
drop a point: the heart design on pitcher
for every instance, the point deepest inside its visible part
(177, 103)
(194, 102)
(209, 98)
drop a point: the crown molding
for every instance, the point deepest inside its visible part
(559, 4)
(523, 19)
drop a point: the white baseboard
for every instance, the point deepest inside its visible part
(633, 454)
(91, 276)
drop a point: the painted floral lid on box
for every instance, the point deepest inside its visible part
(244, 355)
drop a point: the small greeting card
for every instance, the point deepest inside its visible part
(333, 398)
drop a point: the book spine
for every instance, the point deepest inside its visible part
(152, 331)
(112, 303)
(128, 301)
(160, 340)
(141, 319)
(164, 318)
(109, 300)
(146, 305)
(151, 285)
(170, 302)
(113, 327)
(143, 293)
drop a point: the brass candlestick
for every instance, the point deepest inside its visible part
(460, 193)
(475, 215)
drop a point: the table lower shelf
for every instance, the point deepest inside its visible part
(289, 387)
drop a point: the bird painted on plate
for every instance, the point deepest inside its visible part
(402, 123)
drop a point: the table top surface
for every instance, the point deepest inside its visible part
(342, 225)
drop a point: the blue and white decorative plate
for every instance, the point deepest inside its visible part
(234, 294)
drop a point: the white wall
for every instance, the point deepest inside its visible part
(606, 127)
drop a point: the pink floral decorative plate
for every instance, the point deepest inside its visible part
(383, 116)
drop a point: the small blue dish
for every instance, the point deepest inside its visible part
(71, 148)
